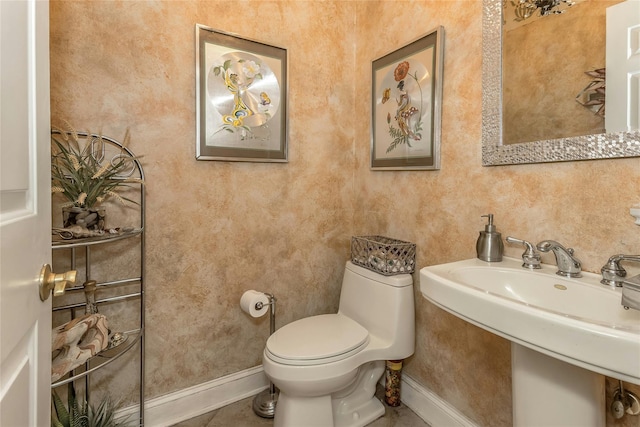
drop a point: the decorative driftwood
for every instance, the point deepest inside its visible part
(76, 341)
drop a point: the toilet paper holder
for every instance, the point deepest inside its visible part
(272, 311)
(264, 404)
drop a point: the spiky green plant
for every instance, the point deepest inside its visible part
(80, 414)
(73, 416)
(79, 177)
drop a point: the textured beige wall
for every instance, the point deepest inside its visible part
(216, 229)
(581, 204)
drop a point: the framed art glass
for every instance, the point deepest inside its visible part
(241, 98)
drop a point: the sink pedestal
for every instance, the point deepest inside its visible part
(550, 392)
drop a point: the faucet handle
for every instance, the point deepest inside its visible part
(613, 273)
(530, 258)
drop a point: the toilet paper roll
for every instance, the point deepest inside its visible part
(250, 299)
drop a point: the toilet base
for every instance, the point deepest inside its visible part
(317, 412)
(303, 411)
(366, 413)
(357, 405)
(354, 406)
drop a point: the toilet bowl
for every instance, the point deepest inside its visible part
(327, 366)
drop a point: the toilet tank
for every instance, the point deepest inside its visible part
(384, 305)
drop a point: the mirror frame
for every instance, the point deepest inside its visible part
(494, 153)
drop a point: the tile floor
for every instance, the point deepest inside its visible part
(240, 414)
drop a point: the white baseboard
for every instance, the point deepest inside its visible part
(430, 407)
(190, 402)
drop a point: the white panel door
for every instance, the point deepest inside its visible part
(25, 213)
(622, 102)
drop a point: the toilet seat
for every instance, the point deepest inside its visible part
(317, 340)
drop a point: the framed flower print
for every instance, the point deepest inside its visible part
(406, 105)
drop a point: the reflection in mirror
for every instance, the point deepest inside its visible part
(545, 61)
(543, 70)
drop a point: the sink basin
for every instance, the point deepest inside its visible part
(578, 321)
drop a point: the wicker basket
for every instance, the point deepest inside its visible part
(383, 255)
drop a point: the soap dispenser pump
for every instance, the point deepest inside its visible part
(489, 245)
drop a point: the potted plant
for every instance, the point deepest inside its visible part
(81, 414)
(86, 178)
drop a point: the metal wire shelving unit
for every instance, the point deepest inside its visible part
(86, 245)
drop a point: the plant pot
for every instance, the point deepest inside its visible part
(89, 218)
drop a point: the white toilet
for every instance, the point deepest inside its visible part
(327, 366)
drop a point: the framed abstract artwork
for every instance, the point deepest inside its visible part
(241, 98)
(407, 104)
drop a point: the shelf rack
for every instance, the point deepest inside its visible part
(135, 336)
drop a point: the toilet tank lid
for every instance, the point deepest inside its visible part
(317, 337)
(398, 280)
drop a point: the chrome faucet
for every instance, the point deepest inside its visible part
(530, 258)
(568, 265)
(612, 272)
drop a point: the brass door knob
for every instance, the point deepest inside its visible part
(56, 282)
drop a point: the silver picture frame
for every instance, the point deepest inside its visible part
(241, 98)
(406, 105)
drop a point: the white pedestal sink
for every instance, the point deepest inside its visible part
(564, 334)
